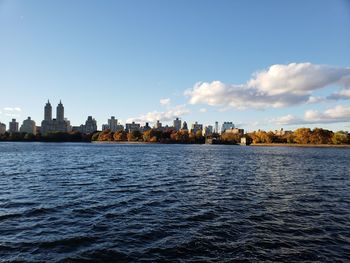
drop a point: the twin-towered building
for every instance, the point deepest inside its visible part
(60, 124)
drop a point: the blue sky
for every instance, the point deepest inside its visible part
(121, 58)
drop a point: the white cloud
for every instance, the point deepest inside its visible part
(278, 86)
(343, 94)
(165, 102)
(168, 115)
(314, 100)
(14, 109)
(203, 110)
(13, 112)
(339, 113)
(286, 120)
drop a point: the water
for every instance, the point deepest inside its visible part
(198, 203)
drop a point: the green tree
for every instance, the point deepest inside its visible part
(341, 137)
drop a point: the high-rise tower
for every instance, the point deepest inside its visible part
(60, 112)
(48, 111)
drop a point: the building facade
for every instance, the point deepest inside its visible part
(235, 131)
(208, 130)
(28, 126)
(158, 125)
(184, 126)
(196, 127)
(216, 129)
(60, 124)
(90, 125)
(177, 124)
(2, 128)
(146, 127)
(113, 125)
(226, 126)
(13, 126)
(130, 127)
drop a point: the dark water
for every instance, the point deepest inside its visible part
(197, 203)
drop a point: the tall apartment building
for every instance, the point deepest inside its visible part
(13, 126)
(28, 126)
(2, 128)
(177, 124)
(60, 124)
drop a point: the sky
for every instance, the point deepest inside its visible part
(260, 64)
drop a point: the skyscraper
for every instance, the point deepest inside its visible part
(113, 124)
(227, 126)
(60, 112)
(90, 125)
(196, 127)
(177, 124)
(216, 130)
(48, 111)
(13, 126)
(184, 126)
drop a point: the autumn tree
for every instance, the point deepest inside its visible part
(120, 136)
(302, 135)
(321, 136)
(134, 136)
(228, 137)
(106, 135)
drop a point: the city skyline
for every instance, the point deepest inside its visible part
(287, 67)
(61, 123)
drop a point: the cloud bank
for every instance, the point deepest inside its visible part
(278, 86)
(164, 102)
(13, 112)
(170, 114)
(339, 113)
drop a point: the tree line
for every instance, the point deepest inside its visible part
(302, 136)
(49, 137)
(299, 136)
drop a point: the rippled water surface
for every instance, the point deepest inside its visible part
(198, 203)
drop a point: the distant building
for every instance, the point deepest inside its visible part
(2, 128)
(13, 126)
(281, 132)
(208, 130)
(184, 126)
(132, 127)
(235, 131)
(177, 124)
(196, 127)
(146, 127)
(113, 125)
(226, 126)
(244, 141)
(158, 125)
(90, 125)
(28, 126)
(78, 128)
(60, 124)
(105, 127)
(216, 129)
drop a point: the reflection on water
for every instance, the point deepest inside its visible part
(61, 202)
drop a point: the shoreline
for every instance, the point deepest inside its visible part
(300, 145)
(253, 144)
